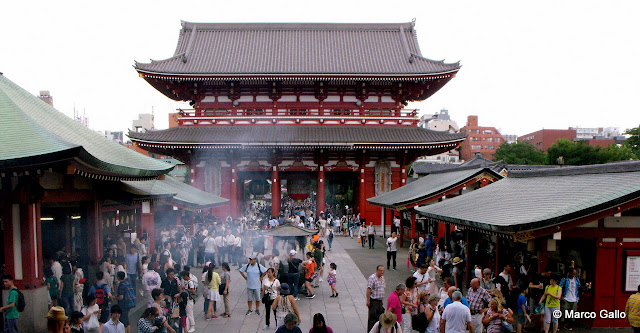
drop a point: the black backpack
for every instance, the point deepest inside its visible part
(21, 303)
(394, 330)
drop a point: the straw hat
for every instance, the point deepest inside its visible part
(387, 319)
(457, 260)
(56, 313)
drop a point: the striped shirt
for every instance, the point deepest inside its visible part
(478, 299)
(633, 310)
(377, 286)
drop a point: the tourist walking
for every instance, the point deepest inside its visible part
(102, 293)
(632, 311)
(330, 236)
(212, 281)
(386, 323)
(495, 317)
(293, 272)
(393, 301)
(433, 314)
(253, 273)
(551, 299)
(319, 325)
(189, 286)
(431, 277)
(409, 301)
(210, 248)
(570, 285)
(150, 281)
(309, 274)
(126, 297)
(375, 296)
(332, 279)
(371, 235)
(422, 279)
(456, 318)
(290, 325)
(478, 299)
(270, 287)
(66, 290)
(10, 310)
(116, 324)
(133, 266)
(392, 250)
(362, 233)
(224, 288)
(284, 305)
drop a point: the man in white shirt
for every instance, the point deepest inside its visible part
(114, 325)
(396, 223)
(220, 248)
(422, 279)
(56, 268)
(237, 251)
(392, 250)
(456, 317)
(210, 248)
(229, 241)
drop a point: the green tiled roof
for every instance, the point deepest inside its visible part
(530, 200)
(428, 186)
(33, 132)
(183, 194)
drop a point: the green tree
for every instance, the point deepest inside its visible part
(579, 153)
(615, 152)
(520, 153)
(633, 142)
(572, 153)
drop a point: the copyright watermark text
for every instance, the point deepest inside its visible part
(603, 314)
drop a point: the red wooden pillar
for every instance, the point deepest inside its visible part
(320, 189)
(275, 191)
(413, 223)
(95, 229)
(361, 194)
(234, 190)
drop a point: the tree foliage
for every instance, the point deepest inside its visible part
(520, 153)
(579, 153)
(633, 142)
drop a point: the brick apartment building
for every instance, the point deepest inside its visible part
(481, 139)
(544, 138)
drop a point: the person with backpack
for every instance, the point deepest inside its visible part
(284, 304)
(253, 273)
(386, 324)
(15, 305)
(126, 299)
(101, 291)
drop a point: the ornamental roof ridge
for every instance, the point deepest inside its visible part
(613, 167)
(409, 26)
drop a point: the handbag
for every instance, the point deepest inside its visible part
(93, 323)
(221, 288)
(175, 313)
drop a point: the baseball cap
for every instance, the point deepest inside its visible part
(293, 252)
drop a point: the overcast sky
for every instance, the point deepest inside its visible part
(526, 65)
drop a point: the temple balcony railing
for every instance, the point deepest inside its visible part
(358, 117)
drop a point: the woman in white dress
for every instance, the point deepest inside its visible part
(431, 277)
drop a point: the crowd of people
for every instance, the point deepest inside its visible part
(436, 296)
(432, 298)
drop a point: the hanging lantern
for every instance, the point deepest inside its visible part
(298, 189)
(338, 187)
(259, 187)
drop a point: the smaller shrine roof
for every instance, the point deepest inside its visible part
(33, 133)
(296, 135)
(307, 49)
(428, 186)
(536, 199)
(181, 193)
(288, 230)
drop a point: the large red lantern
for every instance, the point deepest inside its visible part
(298, 189)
